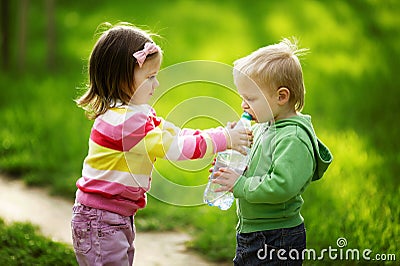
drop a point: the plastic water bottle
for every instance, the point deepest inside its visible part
(233, 160)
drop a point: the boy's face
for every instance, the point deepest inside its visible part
(259, 104)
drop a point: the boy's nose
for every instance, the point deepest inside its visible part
(244, 105)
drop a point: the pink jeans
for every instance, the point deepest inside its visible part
(101, 237)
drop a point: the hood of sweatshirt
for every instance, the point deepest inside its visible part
(321, 152)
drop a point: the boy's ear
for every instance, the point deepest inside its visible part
(283, 95)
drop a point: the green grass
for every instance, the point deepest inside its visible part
(352, 95)
(21, 244)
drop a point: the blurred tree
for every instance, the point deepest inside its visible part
(5, 33)
(23, 18)
(50, 34)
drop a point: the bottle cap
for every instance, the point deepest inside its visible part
(247, 116)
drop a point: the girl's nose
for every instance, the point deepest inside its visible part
(156, 83)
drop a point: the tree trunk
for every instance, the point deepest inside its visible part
(5, 34)
(23, 19)
(51, 34)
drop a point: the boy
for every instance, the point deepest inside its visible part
(286, 156)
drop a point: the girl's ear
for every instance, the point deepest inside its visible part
(283, 95)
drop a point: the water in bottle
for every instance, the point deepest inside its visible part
(231, 159)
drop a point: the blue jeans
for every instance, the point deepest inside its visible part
(271, 247)
(101, 237)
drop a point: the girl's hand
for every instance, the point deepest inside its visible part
(237, 138)
(212, 167)
(226, 177)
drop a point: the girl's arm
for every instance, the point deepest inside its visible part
(172, 143)
(163, 139)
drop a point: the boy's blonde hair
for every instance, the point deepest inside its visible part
(276, 66)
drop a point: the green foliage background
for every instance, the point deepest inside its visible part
(352, 95)
(20, 244)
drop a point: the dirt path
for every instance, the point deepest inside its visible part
(52, 215)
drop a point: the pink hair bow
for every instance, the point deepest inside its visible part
(149, 48)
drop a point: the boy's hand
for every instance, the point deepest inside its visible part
(226, 177)
(237, 138)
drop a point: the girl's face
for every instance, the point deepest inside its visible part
(146, 80)
(259, 104)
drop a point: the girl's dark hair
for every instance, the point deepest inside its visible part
(111, 68)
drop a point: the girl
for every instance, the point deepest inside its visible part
(125, 139)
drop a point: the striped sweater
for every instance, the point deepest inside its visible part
(123, 146)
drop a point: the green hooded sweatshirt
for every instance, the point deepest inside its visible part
(284, 159)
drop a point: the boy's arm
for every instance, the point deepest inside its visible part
(292, 167)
